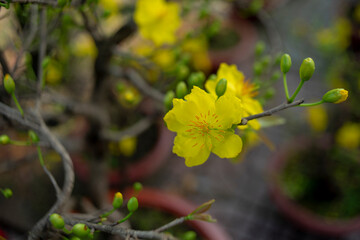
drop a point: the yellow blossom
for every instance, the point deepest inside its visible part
(317, 118)
(238, 86)
(204, 125)
(198, 50)
(348, 136)
(158, 20)
(127, 146)
(84, 46)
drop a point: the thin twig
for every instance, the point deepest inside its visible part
(124, 232)
(171, 224)
(271, 111)
(41, 2)
(131, 131)
(13, 114)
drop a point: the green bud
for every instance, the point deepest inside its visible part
(118, 200)
(182, 71)
(181, 90)
(265, 61)
(258, 68)
(337, 95)
(212, 77)
(33, 136)
(169, 96)
(196, 79)
(278, 58)
(132, 204)
(285, 63)
(276, 75)
(57, 221)
(259, 48)
(45, 63)
(4, 139)
(137, 186)
(307, 69)
(7, 192)
(189, 235)
(220, 88)
(80, 230)
(9, 84)
(270, 93)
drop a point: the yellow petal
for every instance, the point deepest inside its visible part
(199, 159)
(230, 147)
(229, 109)
(186, 146)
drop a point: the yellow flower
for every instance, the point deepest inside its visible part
(158, 20)
(348, 135)
(238, 86)
(127, 146)
(317, 118)
(84, 46)
(198, 49)
(203, 125)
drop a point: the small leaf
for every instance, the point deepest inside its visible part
(203, 207)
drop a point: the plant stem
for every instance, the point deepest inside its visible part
(107, 213)
(125, 218)
(40, 156)
(19, 143)
(296, 92)
(286, 88)
(17, 104)
(311, 104)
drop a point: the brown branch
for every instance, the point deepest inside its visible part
(4, 64)
(124, 232)
(41, 2)
(271, 111)
(171, 224)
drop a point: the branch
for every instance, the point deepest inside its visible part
(124, 232)
(171, 224)
(271, 111)
(133, 130)
(13, 114)
(4, 64)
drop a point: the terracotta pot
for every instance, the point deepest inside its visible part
(242, 50)
(297, 213)
(178, 207)
(141, 168)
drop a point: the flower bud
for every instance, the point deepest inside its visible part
(181, 90)
(45, 63)
(57, 221)
(307, 69)
(4, 139)
(7, 192)
(196, 79)
(137, 187)
(337, 95)
(220, 88)
(257, 68)
(212, 77)
(9, 84)
(169, 96)
(33, 136)
(259, 48)
(118, 200)
(182, 71)
(80, 230)
(189, 235)
(132, 204)
(285, 63)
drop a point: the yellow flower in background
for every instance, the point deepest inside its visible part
(198, 50)
(317, 118)
(127, 146)
(204, 125)
(157, 20)
(164, 58)
(84, 46)
(53, 73)
(238, 86)
(348, 136)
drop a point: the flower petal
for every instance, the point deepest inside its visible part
(185, 146)
(230, 147)
(199, 159)
(229, 109)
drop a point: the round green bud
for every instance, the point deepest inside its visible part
(137, 187)
(221, 86)
(278, 58)
(182, 71)
(285, 63)
(259, 48)
(9, 84)
(7, 192)
(181, 90)
(80, 230)
(258, 68)
(33, 136)
(189, 235)
(276, 76)
(132, 204)
(270, 93)
(57, 221)
(265, 61)
(4, 139)
(45, 63)
(337, 95)
(212, 77)
(118, 200)
(196, 79)
(168, 98)
(307, 69)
